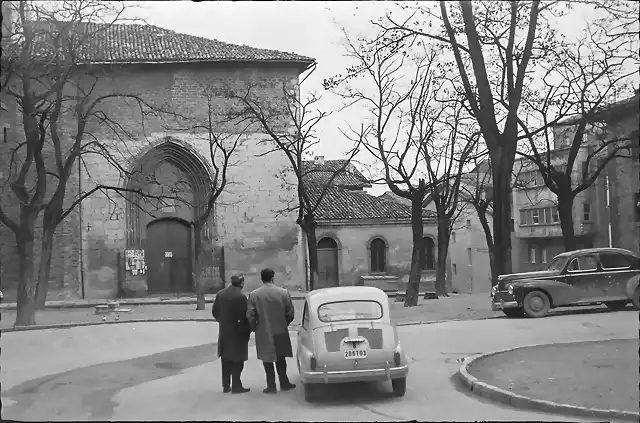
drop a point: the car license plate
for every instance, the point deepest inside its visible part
(355, 353)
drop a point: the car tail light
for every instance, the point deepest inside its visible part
(313, 363)
(396, 358)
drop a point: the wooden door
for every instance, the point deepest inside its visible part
(327, 263)
(168, 256)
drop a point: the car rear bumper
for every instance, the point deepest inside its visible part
(502, 300)
(364, 375)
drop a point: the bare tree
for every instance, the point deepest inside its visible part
(62, 102)
(405, 116)
(222, 150)
(502, 42)
(579, 86)
(290, 126)
(446, 158)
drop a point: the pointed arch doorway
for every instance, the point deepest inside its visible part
(163, 218)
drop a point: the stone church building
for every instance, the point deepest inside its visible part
(109, 245)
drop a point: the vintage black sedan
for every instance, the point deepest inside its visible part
(581, 277)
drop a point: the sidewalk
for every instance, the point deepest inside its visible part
(462, 307)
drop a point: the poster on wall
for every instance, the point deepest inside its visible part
(134, 262)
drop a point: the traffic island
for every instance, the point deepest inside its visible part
(589, 379)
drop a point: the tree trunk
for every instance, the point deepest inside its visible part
(44, 266)
(312, 244)
(198, 282)
(482, 215)
(501, 168)
(413, 287)
(565, 212)
(441, 265)
(26, 304)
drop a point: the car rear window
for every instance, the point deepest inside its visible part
(613, 261)
(349, 310)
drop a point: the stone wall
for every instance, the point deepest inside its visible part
(624, 174)
(245, 219)
(469, 255)
(354, 257)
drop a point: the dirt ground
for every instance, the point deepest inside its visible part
(600, 374)
(463, 307)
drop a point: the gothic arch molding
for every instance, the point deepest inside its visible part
(193, 176)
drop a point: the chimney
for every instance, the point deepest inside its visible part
(319, 160)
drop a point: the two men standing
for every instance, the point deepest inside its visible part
(268, 311)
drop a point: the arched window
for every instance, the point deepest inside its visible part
(327, 242)
(428, 257)
(378, 251)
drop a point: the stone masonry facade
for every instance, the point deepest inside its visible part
(245, 221)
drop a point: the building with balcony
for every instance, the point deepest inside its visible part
(605, 214)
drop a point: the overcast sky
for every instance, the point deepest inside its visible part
(307, 28)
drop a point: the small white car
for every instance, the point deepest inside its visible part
(347, 335)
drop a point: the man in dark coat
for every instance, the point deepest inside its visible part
(230, 310)
(270, 311)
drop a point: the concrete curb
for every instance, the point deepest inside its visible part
(143, 301)
(194, 319)
(430, 322)
(107, 322)
(494, 393)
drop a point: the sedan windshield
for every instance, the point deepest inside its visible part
(557, 264)
(349, 310)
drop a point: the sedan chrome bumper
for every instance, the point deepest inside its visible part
(501, 305)
(364, 375)
(503, 299)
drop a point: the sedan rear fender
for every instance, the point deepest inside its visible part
(559, 292)
(304, 357)
(632, 284)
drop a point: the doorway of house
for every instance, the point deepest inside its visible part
(168, 256)
(327, 263)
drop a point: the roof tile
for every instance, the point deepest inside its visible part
(321, 173)
(344, 204)
(134, 43)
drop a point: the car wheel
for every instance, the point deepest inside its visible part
(310, 392)
(399, 386)
(636, 298)
(513, 312)
(616, 305)
(536, 304)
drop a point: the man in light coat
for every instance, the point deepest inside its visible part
(230, 310)
(270, 311)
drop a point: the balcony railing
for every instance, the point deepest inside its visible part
(553, 230)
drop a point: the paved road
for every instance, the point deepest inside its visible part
(166, 371)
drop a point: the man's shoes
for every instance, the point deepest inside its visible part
(226, 390)
(288, 387)
(270, 390)
(241, 390)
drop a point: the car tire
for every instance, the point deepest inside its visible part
(513, 313)
(616, 305)
(310, 392)
(635, 299)
(399, 386)
(536, 304)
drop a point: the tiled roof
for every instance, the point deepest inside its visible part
(343, 204)
(321, 173)
(134, 43)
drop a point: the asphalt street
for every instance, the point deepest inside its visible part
(169, 371)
